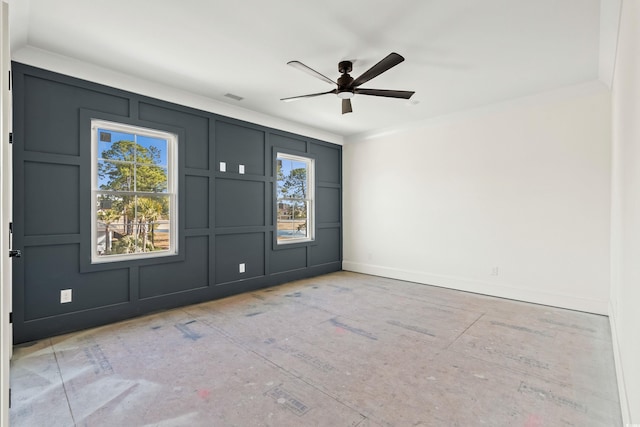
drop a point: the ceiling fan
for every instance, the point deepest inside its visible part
(347, 86)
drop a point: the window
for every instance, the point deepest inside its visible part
(134, 200)
(294, 194)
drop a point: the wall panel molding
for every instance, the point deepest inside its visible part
(224, 218)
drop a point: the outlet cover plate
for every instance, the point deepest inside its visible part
(65, 296)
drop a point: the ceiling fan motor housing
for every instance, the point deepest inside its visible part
(345, 91)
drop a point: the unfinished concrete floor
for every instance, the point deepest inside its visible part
(343, 349)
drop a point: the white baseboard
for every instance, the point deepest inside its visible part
(622, 389)
(536, 296)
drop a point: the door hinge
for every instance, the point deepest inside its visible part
(10, 137)
(9, 80)
(11, 317)
(9, 397)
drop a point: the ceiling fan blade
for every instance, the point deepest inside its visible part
(388, 62)
(295, 98)
(404, 94)
(300, 66)
(346, 106)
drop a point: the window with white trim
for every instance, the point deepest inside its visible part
(134, 192)
(295, 198)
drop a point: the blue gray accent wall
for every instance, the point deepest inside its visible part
(225, 218)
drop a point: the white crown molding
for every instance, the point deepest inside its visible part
(75, 68)
(610, 14)
(567, 92)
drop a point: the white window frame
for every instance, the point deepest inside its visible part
(310, 199)
(172, 189)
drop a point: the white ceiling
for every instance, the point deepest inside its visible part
(460, 54)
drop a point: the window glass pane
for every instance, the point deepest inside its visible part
(153, 149)
(300, 219)
(117, 176)
(132, 224)
(151, 225)
(127, 242)
(292, 220)
(292, 179)
(116, 145)
(286, 224)
(109, 143)
(151, 178)
(110, 224)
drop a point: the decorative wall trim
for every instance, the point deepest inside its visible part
(226, 218)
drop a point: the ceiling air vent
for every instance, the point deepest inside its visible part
(234, 97)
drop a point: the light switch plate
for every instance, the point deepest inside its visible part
(241, 169)
(223, 166)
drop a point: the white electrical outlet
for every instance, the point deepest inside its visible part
(65, 296)
(241, 169)
(223, 166)
(241, 267)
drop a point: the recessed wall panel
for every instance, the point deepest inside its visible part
(280, 141)
(51, 114)
(197, 201)
(327, 248)
(238, 145)
(288, 259)
(192, 273)
(239, 203)
(51, 199)
(328, 205)
(49, 269)
(235, 249)
(196, 129)
(327, 163)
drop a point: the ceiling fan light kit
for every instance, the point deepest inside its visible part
(347, 87)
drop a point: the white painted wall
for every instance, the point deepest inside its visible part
(523, 187)
(625, 234)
